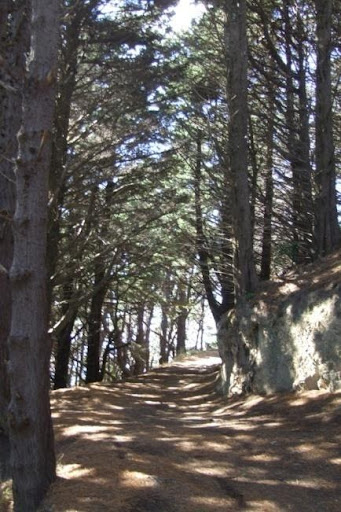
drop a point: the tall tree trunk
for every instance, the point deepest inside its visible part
(63, 349)
(140, 352)
(147, 335)
(167, 290)
(121, 350)
(201, 241)
(327, 231)
(181, 321)
(14, 43)
(298, 142)
(101, 284)
(30, 425)
(268, 200)
(306, 209)
(200, 334)
(236, 54)
(164, 349)
(93, 373)
(255, 173)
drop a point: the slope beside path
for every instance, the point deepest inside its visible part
(165, 442)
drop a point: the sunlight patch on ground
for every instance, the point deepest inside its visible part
(69, 471)
(264, 457)
(142, 395)
(84, 429)
(208, 502)
(307, 451)
(309, 483)
(261, 505)
(123, 438)
(195, 361)
(72, 391)
(212, 471)
(288, 288)
(137, 479)
(110, 407)
(272, 424)
(188, 386)
(187, 446)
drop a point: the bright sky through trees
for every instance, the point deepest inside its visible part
(185, 12)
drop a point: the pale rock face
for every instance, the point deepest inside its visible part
(292, 344)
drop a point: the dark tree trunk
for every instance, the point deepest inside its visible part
(168, 286)
(101, 284)
(81, 364)
(14, 43)
(140, 352)
(306, 207)
(181, 334)
(61, 377)
(245, 278)
(31, 434)
(120, 347)
(122, 353)
(255, 173)
(268, 200)
(93, 373)
(201, 242)
(298, 143)
(327, 231)
(199, 344)
(147, 336)
(63, 350)
(181, 322)
(164, 349)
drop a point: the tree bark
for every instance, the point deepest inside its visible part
(245, 278)
(269, 192)
(63, 350)
(121, 350)
(298, 141)
(31, 433)
(14, 41)
(201, 242)
(181, 321)
(147, 335)
(327, 231)
(101, 285)
(140, 363)
(306, 208)
(93, 373)
(164, 349)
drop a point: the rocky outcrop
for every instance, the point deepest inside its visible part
(289, 337)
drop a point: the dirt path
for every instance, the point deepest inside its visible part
(166, 443)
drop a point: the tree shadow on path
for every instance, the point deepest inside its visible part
(166, 442)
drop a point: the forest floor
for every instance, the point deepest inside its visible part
(165, 442)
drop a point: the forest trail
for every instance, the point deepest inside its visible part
(165, 442)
